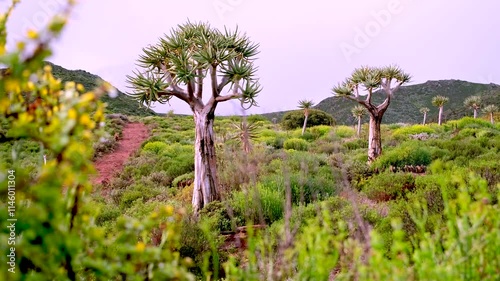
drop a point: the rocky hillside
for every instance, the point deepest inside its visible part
(121, 104)
(409, 99)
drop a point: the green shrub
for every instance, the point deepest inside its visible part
(304, 161)
(320, 131)
(344, 131)
(326, 147)
(258, 205)
(155, 147)
(128, 197)
(403, 133)
(183, 179)
(305, 189)
(218, 211)
(107, 213)
(388, 186)
(160, 178)
(256, 118)
(469, 122)
(295, 119)
(411, 153)
(355, 144)
(296, 144)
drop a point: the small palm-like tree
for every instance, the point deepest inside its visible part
(424, 111)
(440, 101)
(491, 109)
(245, 132)
(473, 102)
(306, 105)
(357, 112)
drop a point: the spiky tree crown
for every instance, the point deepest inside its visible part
(473, 102)
(358, 111)
(371, 79)
(439, 100)
(424, 110)
(490, 108)
(179, 63)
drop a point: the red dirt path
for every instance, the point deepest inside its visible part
(110, 164)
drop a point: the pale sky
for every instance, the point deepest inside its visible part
(306, 47)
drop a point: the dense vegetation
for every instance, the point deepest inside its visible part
(294, 205)
(424, 169)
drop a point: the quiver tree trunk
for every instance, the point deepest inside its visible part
(205, 179)
(305, 123)
(425, 118)
(440, 116)
(358, 133)
(374, 138)
(475, 113)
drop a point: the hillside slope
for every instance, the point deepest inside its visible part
(408, 100)
(121, 104)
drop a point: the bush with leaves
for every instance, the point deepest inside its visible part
(56, 235)
(295, 119)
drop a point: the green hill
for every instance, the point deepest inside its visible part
(408, 100)
(121, 104)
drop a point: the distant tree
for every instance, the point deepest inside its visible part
(424, 111)
(295, 119)
(357, 112)
(370, 79)
(491, 110)
(178, 65)
(245, 132)
(306, 105)
(440, 101)
(473, 102)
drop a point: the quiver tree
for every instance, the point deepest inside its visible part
(245, 132)
(178, 66)
(424, 111)
(440, 101)
(305, 105)
(490, 110)
(357, 112)
(473, 102)
(361, 86)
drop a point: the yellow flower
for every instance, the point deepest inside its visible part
(87, 97)
(47, 68)
(169, 209)
(140, 247)
(32, 34)
(12, 86)
(86, 121)
(30, 86)
(72, 114)
(80, 87)
(69, 85)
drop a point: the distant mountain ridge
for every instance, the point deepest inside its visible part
(121, 104)
(408, 100)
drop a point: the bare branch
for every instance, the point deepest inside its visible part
(199, 91)
(227, 97)
(369, 95)
(213, 78)
(356, 91)
(173, 92)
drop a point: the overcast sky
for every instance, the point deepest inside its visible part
(306, 47)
